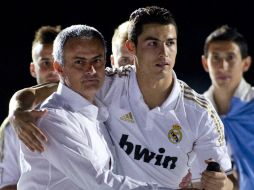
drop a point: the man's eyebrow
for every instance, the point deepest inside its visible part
(45, 59)
(151, 38)
(156, 39)
(84, 58)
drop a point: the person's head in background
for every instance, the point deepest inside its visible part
(120, 54)
(226, 57)
(41, 66)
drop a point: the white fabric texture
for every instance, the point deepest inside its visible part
(9, 166)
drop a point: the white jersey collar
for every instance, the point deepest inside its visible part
(168, 104)
(241, 92)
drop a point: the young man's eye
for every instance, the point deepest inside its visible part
(98, 61)
(78, 62)
(231, 58)
(125, 61)
(170, 42)
(215, 58)
(152, 43)
(45, 63)
(48, 63)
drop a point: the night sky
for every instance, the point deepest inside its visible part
(195, 21)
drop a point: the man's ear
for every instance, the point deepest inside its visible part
(130, 46)
(246, 63)
(204, 63)
(58, 67)
(112, 60)
(32, 70)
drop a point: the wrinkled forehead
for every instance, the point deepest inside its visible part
(84, 48)
(84, 43)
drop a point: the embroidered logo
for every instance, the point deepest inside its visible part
(175, 134)
(127, 117)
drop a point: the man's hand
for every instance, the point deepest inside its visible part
(186, 182)
(212, 180)
(26, 130)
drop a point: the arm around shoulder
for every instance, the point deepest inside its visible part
(22, 116)
(28, 98)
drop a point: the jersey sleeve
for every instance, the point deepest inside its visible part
(211, 141)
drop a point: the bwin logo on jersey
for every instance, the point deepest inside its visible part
(147, 156)
(175, 134)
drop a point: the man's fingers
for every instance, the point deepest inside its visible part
(213, 180)
(26, 143)
(27, 131)
(37, 132)
(30, 130)
(209, 160)
(31, 140)
(186, 181)
(39, 135)
(184, 185)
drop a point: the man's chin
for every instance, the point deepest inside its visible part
(53, 80)
(92, 86)
(223, 84)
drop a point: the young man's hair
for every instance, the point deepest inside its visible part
(148, 15)
(120, 36)
(227, 34)
(45, 35)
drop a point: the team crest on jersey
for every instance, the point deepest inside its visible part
(175, 134)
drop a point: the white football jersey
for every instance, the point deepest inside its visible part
(159, 145)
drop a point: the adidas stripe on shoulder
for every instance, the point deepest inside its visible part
(121, 71)
(201, 101)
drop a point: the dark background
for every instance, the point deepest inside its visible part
(195, 20)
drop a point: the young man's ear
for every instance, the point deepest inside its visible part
(32, 70)
(58, 67)
(130, 46)
(112, 60)
(204, 63)
(246, 63)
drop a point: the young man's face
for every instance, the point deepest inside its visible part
(225, 64)
(42, 66)
(156, 50)
(121, 56)
(84, 64)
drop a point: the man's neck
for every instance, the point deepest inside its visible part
(90, 98)
(154, 91)
(222, 98)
